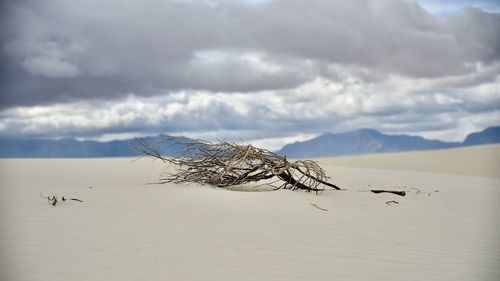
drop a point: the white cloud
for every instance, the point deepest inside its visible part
(271, 118)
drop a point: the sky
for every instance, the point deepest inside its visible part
(267, 72)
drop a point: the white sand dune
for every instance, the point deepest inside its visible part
(482, 160)
(446, 228)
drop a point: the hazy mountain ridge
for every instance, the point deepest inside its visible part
(71, 148)
(363, 141)
(366, 141)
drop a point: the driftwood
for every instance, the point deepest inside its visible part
(225, 164)
(397, 192)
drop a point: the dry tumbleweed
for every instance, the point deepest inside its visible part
(225, 164)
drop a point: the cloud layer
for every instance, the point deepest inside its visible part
(268, 70)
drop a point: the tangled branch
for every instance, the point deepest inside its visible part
(224, 164)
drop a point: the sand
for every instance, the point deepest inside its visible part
(446, 228)
(482, 160)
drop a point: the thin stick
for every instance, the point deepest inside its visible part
(322, 209)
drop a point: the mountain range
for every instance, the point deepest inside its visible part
(366, 141)
(71, 148)
(363, 141)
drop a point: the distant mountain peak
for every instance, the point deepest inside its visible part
(369, 131)
(486, 136)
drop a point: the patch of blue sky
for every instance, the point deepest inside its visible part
(450, 7)
(438, 7)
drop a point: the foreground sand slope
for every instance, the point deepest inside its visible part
(445, 229)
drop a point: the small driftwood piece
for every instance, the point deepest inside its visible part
(225, 164)
(397, 192)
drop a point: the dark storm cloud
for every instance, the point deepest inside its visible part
(58, 51)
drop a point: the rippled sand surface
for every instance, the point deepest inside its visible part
(446, 228)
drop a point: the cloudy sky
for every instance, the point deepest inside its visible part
(265, 72)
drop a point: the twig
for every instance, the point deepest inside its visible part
(322, 209)
(53, 199)
(391, 202)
